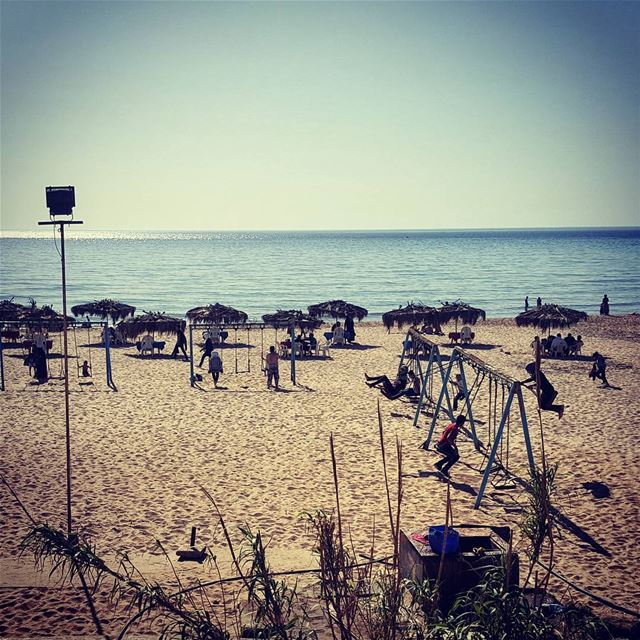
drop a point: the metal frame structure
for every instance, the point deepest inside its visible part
(414, 346)
(43, 324)
(205, 326)
(461, 357)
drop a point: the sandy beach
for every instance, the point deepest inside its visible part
(141, 454)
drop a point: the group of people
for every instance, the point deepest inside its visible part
(559, 347)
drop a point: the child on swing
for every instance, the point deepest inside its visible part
(547, 392)
(446, 445)
(86, 369)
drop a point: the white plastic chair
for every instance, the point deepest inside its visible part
(338, 336)
(465, 335)
(146, 345)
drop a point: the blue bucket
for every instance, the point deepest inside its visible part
(436, 539)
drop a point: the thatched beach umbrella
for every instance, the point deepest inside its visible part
(459, 310)
(216, 314)
(284, 319)
(150, 322)
(10, 310)
(337, 309)
(410, 315)
(106, 308)
(44, 317)
(550, 316)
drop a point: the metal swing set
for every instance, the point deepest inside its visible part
(12, 327)
(240, 366)
(502, 391)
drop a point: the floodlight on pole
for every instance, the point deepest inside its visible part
(60, 202)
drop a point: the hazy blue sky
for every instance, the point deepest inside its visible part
(322, 115)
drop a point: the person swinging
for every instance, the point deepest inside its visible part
(446, 445)
(547, 392)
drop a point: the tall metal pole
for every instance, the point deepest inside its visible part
(66, 377)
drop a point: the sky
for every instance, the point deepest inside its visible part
(322, 115)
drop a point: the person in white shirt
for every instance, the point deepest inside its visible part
(558, 346)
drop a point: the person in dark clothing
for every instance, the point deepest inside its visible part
(460, 394)
(411, 391)
(207, 350)
(526, 303)
(349, 329)
(539, 302)
(389, 388)
(604, 305)
(181, 345)
(446, 445)
(599, 369)
(547, 392)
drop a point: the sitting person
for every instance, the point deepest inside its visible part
(311, 343)
(446, 445)
(411, 391)
(599, 369)
(389, 388)
(577, 347)
(338, 333)
(547, 392)
(558, 347)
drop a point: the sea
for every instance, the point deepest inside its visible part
(259, 272)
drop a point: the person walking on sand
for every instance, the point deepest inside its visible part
(547, 392)
(215, 367)
(599, 369)
(446, 445)
(181, 345)
(526, 303)
(207, 350)
(273, 374)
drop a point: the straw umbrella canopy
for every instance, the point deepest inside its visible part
(150, 322)
(106, 308)
(284, 319)
(44, 317)
(410, 315)
(216, 314)
(10, 310)
(459, 310)
(337, 309)
(550, 316)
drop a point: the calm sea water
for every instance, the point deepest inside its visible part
(262, 271)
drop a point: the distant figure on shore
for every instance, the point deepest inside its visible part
(86, 370)
(207, 349)
(446, 445)
(181, 345)
(526, 303)
(604, 306)
(539, 302)
(599, 369)
(349, 329)
(215, 367)
(389, 388)
(273, 374)
(547, 393)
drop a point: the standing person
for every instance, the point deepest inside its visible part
(446, 445)
(207, 350)
(273, 374)
(349, 329)
(604, 305)
(181, 345)
(547, 392)
(599, 369)
(215, 367)
(460, 395)
(526, 303)
(539, 302)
